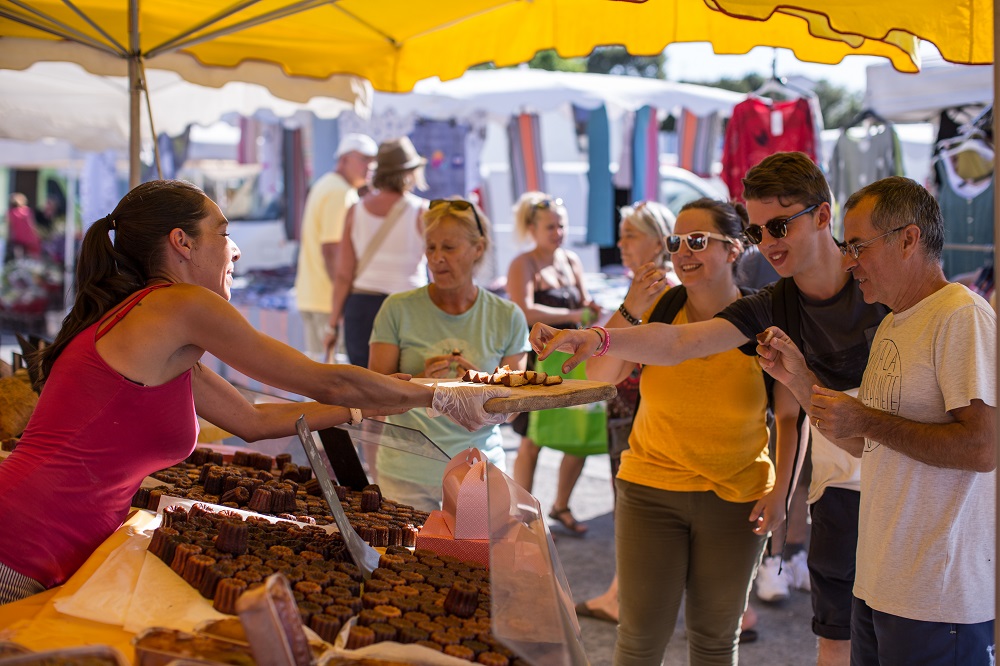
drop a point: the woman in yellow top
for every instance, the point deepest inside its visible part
(697, 493)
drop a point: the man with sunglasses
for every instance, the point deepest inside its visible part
(924, 427)
(789, 205)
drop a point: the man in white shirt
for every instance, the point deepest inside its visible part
(923, 425)
(322, 228)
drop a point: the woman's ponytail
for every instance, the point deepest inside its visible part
(122, 251)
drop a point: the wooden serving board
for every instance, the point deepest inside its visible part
(533, 398)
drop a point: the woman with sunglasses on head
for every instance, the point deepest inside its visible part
(441, 331)
(696, 491)
(547, 283)
(642, 240)
(123, 384)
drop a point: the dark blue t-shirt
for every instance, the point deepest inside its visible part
(836, 333)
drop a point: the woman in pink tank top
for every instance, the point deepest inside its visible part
(123, 383)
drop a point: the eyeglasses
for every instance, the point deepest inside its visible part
(778, 227)
(461, 205)
(697, 241)
(855, 248)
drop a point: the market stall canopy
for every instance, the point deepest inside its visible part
(60, 100)
(962, 30)
(910, 98)
(506, 92)
(392, 43)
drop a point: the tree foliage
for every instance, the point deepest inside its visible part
(616, 60)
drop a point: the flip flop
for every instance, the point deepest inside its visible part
(583, 610)
(565, 518)
(748, 636)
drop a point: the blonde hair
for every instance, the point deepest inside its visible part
(434, 216)
(526, 210)
(651, 219)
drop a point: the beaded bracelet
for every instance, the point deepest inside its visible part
(628, 315)
(605, 341)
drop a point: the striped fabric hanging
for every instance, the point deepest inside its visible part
(697, 138)
(525, 142)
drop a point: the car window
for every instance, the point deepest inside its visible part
(675, 193)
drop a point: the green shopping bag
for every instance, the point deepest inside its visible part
(580, 430)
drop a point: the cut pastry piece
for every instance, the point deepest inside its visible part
(765, 337)
(513, 379)
(539, 378)
(552, 380)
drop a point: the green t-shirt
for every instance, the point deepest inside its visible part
(487, 332)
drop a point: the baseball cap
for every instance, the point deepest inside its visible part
(361, 143)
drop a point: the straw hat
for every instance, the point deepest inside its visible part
(397, 155)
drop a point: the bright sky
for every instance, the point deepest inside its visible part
(697, 62)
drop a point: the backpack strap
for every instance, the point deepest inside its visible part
(787, 315)
(669, 305)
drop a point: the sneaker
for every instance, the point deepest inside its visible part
(772, 586)
(799, 571)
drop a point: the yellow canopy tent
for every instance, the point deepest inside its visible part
(295, 47)
(962, 30)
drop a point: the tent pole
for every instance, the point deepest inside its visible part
(996, 263)
(69, 246)
(133, 93)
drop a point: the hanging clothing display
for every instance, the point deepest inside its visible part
(442, 142)
(622, 178)
(758, 129)
(600, 191)
(525, 144)
(697, 137)
(861, 156)
(967, 208)
(645, 156)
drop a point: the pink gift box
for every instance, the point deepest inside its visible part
(461, 528)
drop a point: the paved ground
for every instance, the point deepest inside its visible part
(785, 637)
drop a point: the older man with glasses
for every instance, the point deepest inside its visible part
(789, 206)
(924, 426)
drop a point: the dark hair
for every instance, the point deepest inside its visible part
(788, 177)
(107, 271)
(900, 201)
(729, 218)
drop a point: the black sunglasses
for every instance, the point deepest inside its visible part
(461, 205)
(778, 227)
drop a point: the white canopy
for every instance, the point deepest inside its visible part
(60, 100)
(911, 98)
(505, 92)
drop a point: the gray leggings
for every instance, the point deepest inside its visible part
(669, 543)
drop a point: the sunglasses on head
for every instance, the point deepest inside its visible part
(461, 205)
(697, 241)
(548, 203)
(778, 227)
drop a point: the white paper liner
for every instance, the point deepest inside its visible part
(106, 595)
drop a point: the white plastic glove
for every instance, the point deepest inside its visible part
(464, 405)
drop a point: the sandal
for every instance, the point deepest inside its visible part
(565, 518)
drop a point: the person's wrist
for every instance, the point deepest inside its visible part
(627, 315)
(329, 329)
